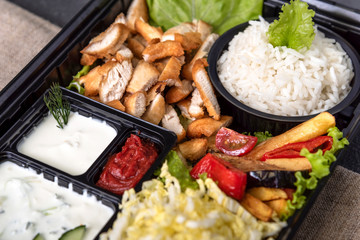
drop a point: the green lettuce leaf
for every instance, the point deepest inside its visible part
(295, 27)
(180, 171)
(74, 84)
(222, 15)
(320, 168)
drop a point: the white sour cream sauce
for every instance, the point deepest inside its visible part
(30, 204)
(72, 149)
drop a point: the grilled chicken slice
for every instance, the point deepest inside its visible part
(178, 93)
(161, 50)
(136, 104)
(201, 53)
(113, 86)
(147, 31)
(106, 44)
(196, 108)
(205, 87)
(137, 10)
(156, 110)
(171, 122)
(145, 75)
(170, 74)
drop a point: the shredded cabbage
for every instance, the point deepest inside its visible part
(162, 211)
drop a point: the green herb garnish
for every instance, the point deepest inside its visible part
(295, 27)
(58, 107)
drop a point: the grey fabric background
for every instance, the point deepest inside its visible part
(335, 214)
(22, 36)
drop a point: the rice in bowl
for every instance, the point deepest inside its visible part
(280, 80)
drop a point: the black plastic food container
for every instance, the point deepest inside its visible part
(250, 119)
(20, 100)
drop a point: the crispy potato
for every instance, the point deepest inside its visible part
(278, 205)
(314, 127)
(207, 126)
(161, 50)
(291, 164)
(193, 149)
(267, 194)
(256, 207)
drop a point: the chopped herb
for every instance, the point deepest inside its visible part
(58, 107)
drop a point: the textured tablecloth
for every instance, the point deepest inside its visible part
(335, 214)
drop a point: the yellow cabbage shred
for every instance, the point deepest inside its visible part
(162, 211)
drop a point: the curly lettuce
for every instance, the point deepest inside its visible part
(295, 27)
(179, 170)
(221, 15)
(320, 168)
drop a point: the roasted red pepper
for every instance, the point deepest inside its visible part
(230, 180)
(292, 150)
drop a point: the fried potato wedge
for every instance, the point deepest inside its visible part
(161, 50)
(256, 207)
(291, 164)
(267, 194)
(313, 127)
(207, 126)
(193, 149)
(278, 205)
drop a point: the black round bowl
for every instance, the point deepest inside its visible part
(250, 119)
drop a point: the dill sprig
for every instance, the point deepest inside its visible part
(57, 106)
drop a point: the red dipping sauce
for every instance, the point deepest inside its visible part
(125, 169)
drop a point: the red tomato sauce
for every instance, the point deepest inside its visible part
(125, 169)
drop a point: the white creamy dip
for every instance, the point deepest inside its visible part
(72, 149)
(30, 204)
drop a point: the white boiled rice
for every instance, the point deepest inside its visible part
(280, 80)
